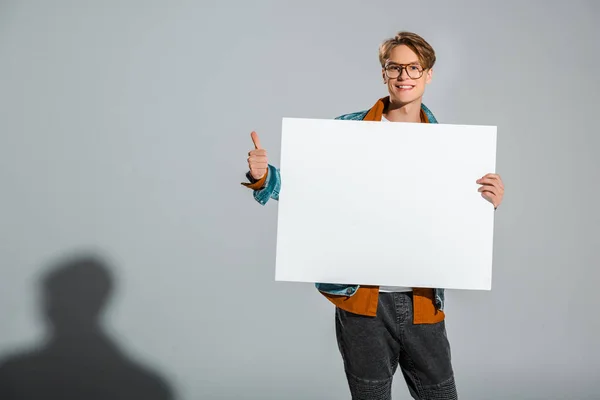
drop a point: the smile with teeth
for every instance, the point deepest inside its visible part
(404, 87)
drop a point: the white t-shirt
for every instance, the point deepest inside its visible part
(392, 288)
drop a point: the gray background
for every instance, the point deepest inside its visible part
(125, 128)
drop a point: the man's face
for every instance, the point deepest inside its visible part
(405, 86)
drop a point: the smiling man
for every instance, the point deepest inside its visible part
(379, 329)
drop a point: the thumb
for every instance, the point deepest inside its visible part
(255, 140)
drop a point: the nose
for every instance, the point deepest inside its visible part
(403, 74)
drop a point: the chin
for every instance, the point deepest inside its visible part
(403, 99)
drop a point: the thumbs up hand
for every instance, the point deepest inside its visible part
(257, 159)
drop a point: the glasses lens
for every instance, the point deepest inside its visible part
(414, 71)
(392, 72)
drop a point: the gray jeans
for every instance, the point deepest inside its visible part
(373, 347)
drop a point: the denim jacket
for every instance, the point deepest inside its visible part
(272, 187)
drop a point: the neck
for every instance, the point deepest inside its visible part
(82, 330)
(410, 112)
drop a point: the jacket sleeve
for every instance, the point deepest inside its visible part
(266, 188)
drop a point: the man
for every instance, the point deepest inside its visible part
(381, 328)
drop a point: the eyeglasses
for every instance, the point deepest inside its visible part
(414, 71)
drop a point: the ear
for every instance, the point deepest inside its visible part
(429, 75)
(383, 76)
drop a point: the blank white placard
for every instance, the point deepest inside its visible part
(385, 203)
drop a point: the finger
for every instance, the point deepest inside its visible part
(495, 177)
(488, 189)
(489, 197)
(258, 166)
(489, 182)
(259, 152)
(257, 159)
(255, 140)
(491, 175)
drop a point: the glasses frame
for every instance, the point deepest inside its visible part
(403, 67)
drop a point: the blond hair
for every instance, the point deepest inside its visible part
(416, 43)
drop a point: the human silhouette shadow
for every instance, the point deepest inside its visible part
(79, 360)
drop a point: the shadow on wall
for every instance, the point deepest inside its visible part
(79, 360)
